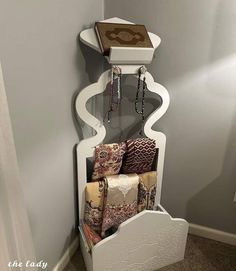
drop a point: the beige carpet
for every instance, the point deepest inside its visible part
(201, 255)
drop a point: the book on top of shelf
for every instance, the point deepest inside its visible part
(121, 35)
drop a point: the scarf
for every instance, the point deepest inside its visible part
(147, 190)
(121, 200)
(94, 202)
(92, 237)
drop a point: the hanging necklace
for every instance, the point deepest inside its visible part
(115, 93)
(142, 70)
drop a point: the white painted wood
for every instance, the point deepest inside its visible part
(161, 209)
(141, 231)
(85, 148)
(86, 255)
(89, 38)
(83, 238)
(151, 239)
(125, 55)
(62, 263)
(146, 242)
(116, 20)
(130, 69)
(213, 234)
(159, 137)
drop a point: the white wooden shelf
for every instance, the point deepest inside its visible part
(122, 55)
(151, 239)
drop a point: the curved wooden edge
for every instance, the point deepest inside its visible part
(82, 112)
(141, 215)
(159, 137)
(98, 88)
(85, 147)
(147, 241)
(159, 112)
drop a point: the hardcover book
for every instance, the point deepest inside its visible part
(121, 35)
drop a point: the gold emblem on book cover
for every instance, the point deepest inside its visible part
(125, 36)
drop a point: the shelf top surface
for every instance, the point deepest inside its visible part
(89, 38)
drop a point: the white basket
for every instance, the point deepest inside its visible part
(145, 242)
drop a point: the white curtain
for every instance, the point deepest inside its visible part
(15, 234)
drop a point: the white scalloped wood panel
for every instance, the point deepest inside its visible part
(151, 239)
(146, 242)
(85, 148)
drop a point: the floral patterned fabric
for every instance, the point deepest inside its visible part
(94, 204)
(108, 159)
(121, 200)
(139, 156)
(147, 190)
(92, 237)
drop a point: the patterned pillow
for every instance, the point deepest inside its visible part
(108, 159)
(139, 156)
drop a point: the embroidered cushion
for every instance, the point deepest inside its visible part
(108, 159)
(139, 156)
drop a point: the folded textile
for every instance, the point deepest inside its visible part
(121, 200)
(92, 237)
(139, 155)
(108, 159)
(147, 190)
(94, 204)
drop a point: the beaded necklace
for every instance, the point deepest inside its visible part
(142, 70)
(115, 94)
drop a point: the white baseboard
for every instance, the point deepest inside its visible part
(213, 234)
(62, 263)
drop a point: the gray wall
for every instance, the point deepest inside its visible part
(197, 63)
(43, 66)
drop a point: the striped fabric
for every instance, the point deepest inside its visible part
(139, 156)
